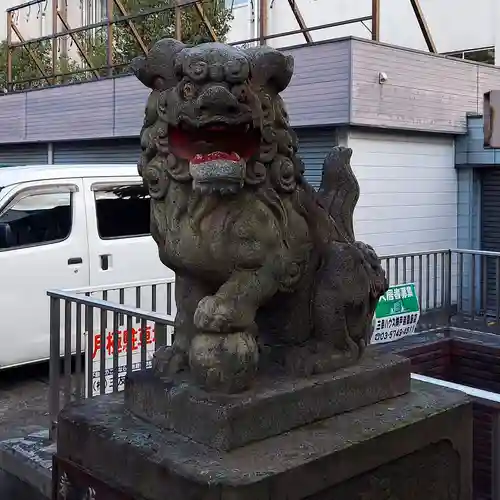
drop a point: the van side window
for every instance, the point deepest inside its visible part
(36, 219)
(122, 212)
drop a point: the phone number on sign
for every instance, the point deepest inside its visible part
(394, 334)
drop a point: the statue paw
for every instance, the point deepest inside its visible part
(168, 361)
(224, 363)
(216, 315)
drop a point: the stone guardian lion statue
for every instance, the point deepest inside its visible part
(266, 267)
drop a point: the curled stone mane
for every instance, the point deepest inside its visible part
(275, 170)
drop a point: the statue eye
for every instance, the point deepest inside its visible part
(188, 90)
(236, 71)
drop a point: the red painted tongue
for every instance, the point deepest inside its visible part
(216, 155)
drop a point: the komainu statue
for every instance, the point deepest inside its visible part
(267, 269)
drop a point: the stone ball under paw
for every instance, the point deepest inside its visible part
(224, 362)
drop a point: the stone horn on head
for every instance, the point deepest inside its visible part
(270, 68)
(156, 70)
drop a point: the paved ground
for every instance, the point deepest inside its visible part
(23, 410)
(23, 400)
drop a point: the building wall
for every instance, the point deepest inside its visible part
(335, 83)
(317, 95)
(470, 147)
(472, 26)
(408, 185)
(243, 26)
(422, 92)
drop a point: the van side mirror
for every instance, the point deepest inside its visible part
(6, 236)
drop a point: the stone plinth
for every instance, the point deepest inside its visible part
(412, 447)
(276, 404)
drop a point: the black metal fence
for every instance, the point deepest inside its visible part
(104, 333)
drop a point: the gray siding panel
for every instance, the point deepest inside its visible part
(488, 79)
(423, 91)
(100, 151)
(334, 83)
(75, 111)
(23, 154)
(319, 91)
(318, 94)
(130, 101)
(13, 117)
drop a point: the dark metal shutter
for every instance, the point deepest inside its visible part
(100, 151)
(23, 154)
(490, 226)
(314, 145)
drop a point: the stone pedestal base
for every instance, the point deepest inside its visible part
(276, 404)
(413, 447)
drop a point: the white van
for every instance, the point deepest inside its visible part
(63, 227)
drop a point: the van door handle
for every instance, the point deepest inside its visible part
(104, 262)
(75, 260)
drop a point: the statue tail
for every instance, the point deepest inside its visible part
(339, 193)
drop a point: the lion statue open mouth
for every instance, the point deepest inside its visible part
(257, 252)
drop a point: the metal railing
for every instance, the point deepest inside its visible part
(102, 340)
(152, 295)
(431, 272)
(466, 282)
(479, 284)
(455, 281)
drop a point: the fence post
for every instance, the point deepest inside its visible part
(54, 364)
(160, 334)
(449, 281)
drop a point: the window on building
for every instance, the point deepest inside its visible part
(486, 55)
(122, 212)
(36, 219)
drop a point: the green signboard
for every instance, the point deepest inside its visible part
(397, 314)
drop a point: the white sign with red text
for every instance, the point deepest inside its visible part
(123, 337)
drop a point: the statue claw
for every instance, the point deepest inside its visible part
(168, 361)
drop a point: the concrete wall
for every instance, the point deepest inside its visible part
(454, 24)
